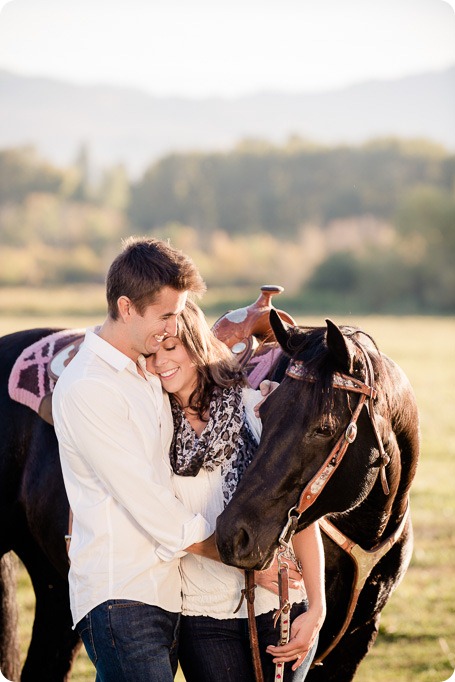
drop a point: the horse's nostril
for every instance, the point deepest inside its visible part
(241, 543)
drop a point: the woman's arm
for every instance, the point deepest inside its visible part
(305, 628)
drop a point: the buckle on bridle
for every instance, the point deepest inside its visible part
(289, 529)
(351, 432)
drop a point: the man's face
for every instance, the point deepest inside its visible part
(158, 320)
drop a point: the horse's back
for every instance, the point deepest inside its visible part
(11, 345)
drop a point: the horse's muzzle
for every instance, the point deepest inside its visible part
(240, 548)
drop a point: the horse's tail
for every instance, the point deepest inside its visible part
(9, 642)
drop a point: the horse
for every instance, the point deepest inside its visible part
(34, 511)
(340, 444)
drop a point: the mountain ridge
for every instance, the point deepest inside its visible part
(130, 126)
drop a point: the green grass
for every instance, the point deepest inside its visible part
(416, 642)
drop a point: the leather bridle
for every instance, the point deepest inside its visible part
(367, 393)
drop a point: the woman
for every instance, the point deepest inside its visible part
(215, 437)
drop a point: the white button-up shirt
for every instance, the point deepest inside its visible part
(114, 429)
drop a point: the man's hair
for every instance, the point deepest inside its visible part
(143, 268)
(216, 367)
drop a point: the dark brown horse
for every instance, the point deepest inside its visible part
(310, 464)
(34, 507)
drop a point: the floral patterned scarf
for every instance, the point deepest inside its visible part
(226, 440)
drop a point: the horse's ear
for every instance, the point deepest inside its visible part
(338, 347)
(280, 329)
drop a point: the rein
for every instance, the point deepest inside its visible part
(285, 554)
(248, 594)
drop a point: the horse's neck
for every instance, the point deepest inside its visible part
(379, 515)
(375, 518)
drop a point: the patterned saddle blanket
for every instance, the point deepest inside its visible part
(38, 367)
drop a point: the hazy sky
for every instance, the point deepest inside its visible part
(226, 47)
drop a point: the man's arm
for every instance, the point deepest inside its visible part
(267, 578)
(207, 548)
(96, 418)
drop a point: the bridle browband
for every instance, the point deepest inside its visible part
(367, 392)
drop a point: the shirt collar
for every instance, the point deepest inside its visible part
(108, 352)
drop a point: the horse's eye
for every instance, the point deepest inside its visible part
(325, 430)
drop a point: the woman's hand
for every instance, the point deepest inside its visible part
(304, 630)
(268, 578)
(266, 387)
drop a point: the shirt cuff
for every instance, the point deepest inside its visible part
(195, 530)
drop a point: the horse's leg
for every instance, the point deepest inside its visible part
(9, 643)
(341, 664)
(53, 644)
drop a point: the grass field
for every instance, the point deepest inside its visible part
(416, 642)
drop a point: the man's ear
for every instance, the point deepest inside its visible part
(124, 307)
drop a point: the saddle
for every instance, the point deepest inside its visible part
(246, 331)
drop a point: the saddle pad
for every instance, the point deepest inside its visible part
(29, 380)
(259, 366)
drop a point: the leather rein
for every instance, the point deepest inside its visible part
(364, 560)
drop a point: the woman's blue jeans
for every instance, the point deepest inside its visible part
(212, 650)
(129, 641)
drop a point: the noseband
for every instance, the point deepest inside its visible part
(367, 392)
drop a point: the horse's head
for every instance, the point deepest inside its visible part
(305, 422)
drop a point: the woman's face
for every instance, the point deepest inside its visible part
(176, 370)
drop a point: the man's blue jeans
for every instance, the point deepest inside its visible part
(212, 650)
(128, 641)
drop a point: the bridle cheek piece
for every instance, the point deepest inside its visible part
(367, 392)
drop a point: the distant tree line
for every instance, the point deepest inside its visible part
(261, 188)
(368, 228)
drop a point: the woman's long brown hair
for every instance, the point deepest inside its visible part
(216, 367)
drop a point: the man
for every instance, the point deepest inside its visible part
(114, 428)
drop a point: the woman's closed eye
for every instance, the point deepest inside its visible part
(170, 343)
